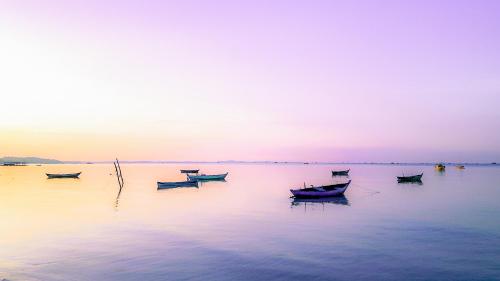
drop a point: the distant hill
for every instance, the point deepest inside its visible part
(30, 160)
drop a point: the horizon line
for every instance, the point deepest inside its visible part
(276, 162)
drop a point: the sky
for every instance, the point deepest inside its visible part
(382, 81)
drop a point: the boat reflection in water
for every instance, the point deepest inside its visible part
(203, 177)
(410, 182)
(203, 182)
(337, 200)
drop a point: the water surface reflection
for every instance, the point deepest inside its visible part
(339, 200)
(248, 228)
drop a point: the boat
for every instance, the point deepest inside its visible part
(190, 171)
(460, 167)
(60, 176)
(173, 184)
(440, 167)
(340, 173)
(203, 177)
(14, 164)
(321, 191)
(414, 178)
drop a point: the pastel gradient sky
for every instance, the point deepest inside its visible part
(251, 80)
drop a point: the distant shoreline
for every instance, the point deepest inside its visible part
(37, 160)
(281, 163)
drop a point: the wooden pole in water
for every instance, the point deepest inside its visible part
(119, 169)
(117, 175)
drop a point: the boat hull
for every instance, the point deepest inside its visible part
(177, 184)
(206, 177)
(340, 173)
(415, 178)
(331, 191)
(63, 176)
(190, 171)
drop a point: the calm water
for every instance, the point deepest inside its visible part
(248, 228)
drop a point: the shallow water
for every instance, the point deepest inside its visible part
(248, 228)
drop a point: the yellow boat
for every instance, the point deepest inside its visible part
(440, 167)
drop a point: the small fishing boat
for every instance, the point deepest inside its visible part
(414, 178)
(190, 171)
(172, 184)
(204, 177)
(61, 176)
(440, 167)
(14, 164)
(340, 173)
(321, 191)
(460, 167)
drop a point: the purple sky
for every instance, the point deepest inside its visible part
(284, 80)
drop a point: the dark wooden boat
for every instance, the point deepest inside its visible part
(64, 176)
(321, 191)
(172, 184)
(190, 171)
(340, 173)
(414, 178)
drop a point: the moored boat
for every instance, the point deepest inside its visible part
(177, 184)
(14, 164)
(440, 167)
(190, 171)
(204, 177)
(414, 178)
(460, 167)
(61, 176)
(321, 191)
(340, 173)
